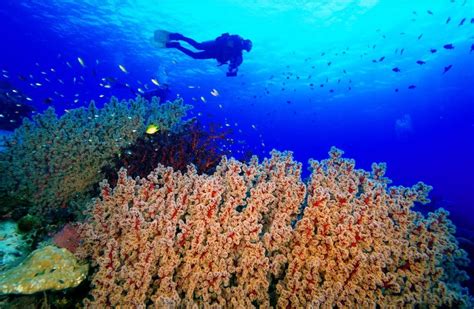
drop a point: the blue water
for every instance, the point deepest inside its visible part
(315, 77)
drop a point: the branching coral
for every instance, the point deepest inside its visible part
(51, 160)
(256, 235)
(192, 144)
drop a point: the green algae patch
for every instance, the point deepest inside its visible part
(48, 268)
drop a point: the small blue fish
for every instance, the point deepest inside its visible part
(381, 59)
(420, 36)
(446, 69)
(448, 20)
(412, 87)
(472, 48)
(433, 50)
(429, 12)
(397, 70)
(421, 62)
(462, 22)
(472, 20)
(449, 46)
(401, 51)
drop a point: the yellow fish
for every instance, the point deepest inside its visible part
(154, 81)
(152, 129)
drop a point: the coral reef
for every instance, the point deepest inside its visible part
(253, 235)
(12, 207)
(14, 245)
(68, 237)
(192, 144)
(28, 223)
(48, 268)
(51, 161)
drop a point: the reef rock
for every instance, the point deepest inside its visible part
(48, 268)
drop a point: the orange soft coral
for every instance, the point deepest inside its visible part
(256, 235)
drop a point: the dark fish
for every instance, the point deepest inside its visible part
(420, 62)
(396, 89)
(462, 21)
(446, 69)
(381, 59)
(111, 79)
(401, 51)
(433, 50)
(448, 20)
(411, 87)
(429, 12)
(329, 63)
(48, 100)
(472, 20)
(449, 46)
(374, 61)
(472, 48)
(161, 92)
(419, 37)
(396, 70)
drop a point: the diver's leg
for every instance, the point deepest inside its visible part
(193, 43)
(194, 55)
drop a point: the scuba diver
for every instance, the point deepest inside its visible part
(225, 49)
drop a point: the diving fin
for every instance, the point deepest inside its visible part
(160, 38)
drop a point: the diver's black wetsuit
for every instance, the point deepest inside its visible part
(225, 49)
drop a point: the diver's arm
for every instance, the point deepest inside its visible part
(234, 65)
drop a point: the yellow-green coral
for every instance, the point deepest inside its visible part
(48, 268)
(50, 160)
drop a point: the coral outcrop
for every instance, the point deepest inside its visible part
(254, 235)
(48, 268)
(51, 161)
